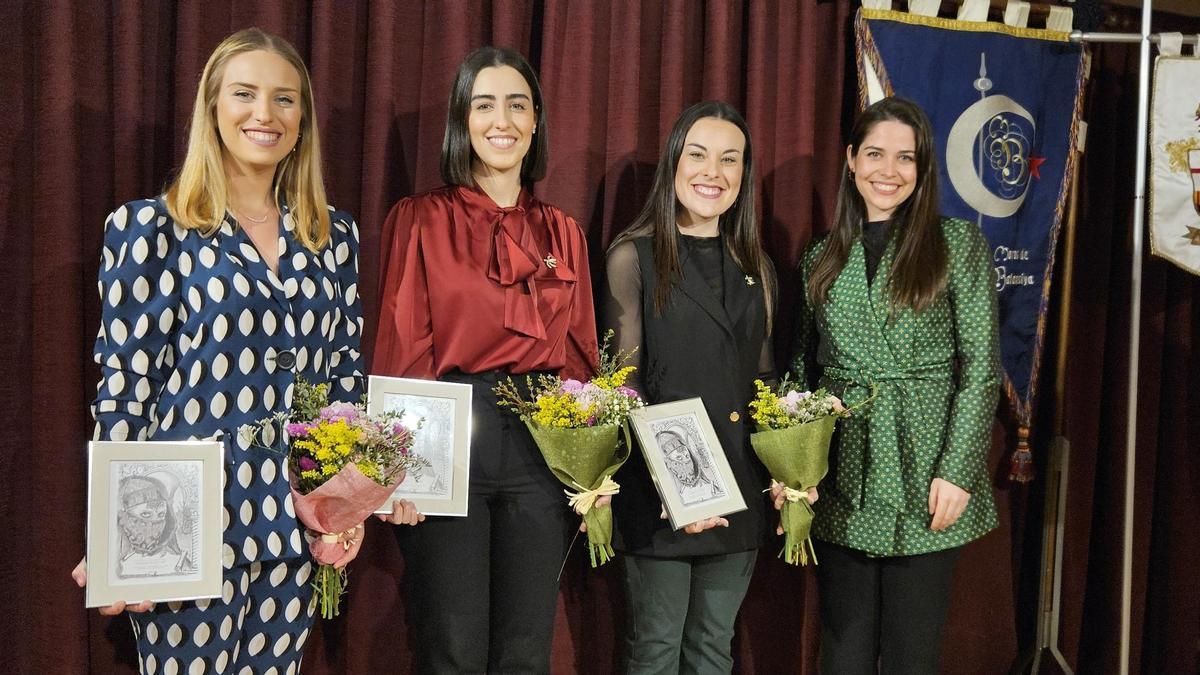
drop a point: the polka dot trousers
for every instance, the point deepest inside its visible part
(257, 627)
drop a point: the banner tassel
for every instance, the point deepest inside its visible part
(1021, 462)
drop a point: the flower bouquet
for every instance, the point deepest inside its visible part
(343, 465)
(794, 430)
(575, 425)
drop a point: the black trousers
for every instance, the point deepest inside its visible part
(884, 613)
(482, 590)
(682, 612)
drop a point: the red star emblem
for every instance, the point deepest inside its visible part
(1035, 165)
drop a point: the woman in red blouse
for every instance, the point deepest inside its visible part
(481, 281)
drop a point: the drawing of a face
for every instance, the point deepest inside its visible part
(678, 456)
(145, 517)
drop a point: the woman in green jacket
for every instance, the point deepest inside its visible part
(897, 301)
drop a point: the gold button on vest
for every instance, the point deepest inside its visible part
(734, 416)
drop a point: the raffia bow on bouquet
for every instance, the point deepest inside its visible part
(343, 465)
(792, 441)
(577, 427)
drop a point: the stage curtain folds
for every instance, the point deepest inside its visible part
(96, 98)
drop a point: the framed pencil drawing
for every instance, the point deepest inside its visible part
(444, 438)
(686, 461)
(154, 521)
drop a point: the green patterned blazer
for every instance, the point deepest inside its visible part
(936, 377)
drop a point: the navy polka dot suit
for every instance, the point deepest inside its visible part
(197, 338)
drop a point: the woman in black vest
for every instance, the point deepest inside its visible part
(690, 287)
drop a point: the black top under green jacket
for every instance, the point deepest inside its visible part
(710, 341)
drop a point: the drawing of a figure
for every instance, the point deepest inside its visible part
(148, 522)
(435, 443)
(693, 475)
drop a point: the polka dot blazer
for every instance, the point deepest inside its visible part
(936, 376)
(198, 337)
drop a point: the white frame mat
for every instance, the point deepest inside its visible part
(444, 438)
(686, 461)
(154, 522)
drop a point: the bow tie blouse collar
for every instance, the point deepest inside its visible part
(521, 254)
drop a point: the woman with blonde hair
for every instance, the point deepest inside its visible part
(216, 297)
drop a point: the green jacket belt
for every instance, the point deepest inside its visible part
(893, 392)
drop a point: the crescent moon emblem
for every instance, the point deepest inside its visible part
(959, 156)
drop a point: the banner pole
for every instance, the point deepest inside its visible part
(1145, 38)
(1135, 321)
(1080, 36)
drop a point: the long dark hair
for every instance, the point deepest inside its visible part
(739, 224)
(456, 144)
(918, 273)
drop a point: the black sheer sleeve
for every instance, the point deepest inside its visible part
(766, 363)
(622, 306)
(766, 357)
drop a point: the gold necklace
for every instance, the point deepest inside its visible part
(251, 218)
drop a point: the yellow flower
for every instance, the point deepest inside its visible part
(613, 381)
(766, 408)
(560, 411)
(330, 441)
(368, 469)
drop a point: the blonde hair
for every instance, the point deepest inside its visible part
(199, 196)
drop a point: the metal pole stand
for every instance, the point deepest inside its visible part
(1046, 650)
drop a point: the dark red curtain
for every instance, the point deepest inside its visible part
(1165, 635)
(95, 106)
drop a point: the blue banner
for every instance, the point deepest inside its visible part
(1005, 103)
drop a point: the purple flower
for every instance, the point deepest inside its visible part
(628, 392)
(588, 394)
(341, 412)
(791, 402)
(571, 386)
(402, 435)
(298, 429)
(307, 463)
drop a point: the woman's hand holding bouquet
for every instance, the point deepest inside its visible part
(575, 425)
(343, 466)
(794, 430)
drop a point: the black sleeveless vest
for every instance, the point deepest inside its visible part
(707, 346)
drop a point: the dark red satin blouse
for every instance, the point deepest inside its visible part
(467, 285)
